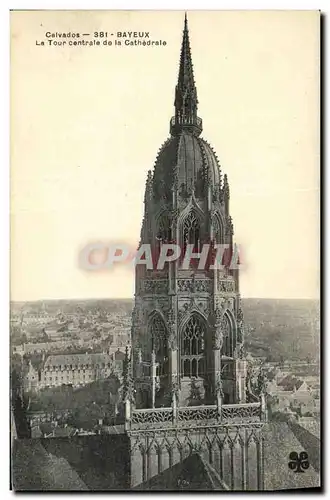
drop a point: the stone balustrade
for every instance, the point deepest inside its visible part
(190, 416)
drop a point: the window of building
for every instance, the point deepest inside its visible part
(227, 345)
(192, 232)
(159, 343)
(193, 348)
(164, 232)
(217, 229)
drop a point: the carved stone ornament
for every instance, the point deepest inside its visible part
(175, 388)
(154, 286)
(226, 286)
(229, 226)
(172, 339)
(171, 325)
(218, 315)
(218, 338)
(170, 318)
(181, 315)
(239, 315)
(241, 351)
(224, 324)
(218, 387)
(194, 285)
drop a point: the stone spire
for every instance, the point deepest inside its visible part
(185, 92)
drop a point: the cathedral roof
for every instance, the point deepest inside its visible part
(193, 158)
(280, 439)
(33, 468)
(193, 473)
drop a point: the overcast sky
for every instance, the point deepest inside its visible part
(87, 123)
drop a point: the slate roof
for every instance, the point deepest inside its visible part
(279, 442)
(77, 359)
(191, 154)
(194, 473)
(33, 469)
(119, 355)
(289, 382)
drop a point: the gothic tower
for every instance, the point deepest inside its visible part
(188, 368)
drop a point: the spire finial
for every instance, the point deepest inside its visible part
(185, 92)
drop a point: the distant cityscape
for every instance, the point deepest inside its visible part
(68, 359)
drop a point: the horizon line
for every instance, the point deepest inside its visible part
(133, 298)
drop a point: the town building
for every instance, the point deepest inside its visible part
(188, 392)
(73, 369)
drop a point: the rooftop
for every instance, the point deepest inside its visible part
(77, 359)
(290, 383)
(193, 473)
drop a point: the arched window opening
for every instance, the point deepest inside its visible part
(193, 348)
(186, 367)
(163, 236)
(159, 344)
(217, 229)
(164, 232)
(227, 346)
(192, 232)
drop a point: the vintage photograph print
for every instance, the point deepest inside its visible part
(165, 281)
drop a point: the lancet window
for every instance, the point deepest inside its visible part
(192, 231)
(227, 346)
(193, 348)
(217, 229)
(157, 331)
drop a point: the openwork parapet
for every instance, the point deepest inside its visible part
(192, 416)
